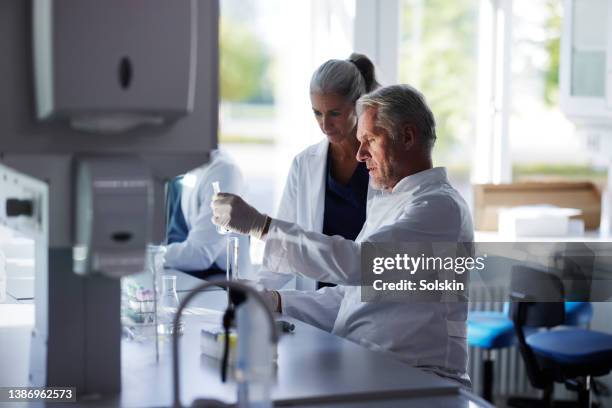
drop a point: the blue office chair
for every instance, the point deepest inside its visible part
(570, 355)
(176, 226)
(178, 231)
(491, 330)
(578, 314)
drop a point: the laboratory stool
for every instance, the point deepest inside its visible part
(572, 356)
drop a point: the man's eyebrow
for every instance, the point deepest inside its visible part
(330, 110)
(378, 130)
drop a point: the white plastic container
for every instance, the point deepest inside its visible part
(254, 365)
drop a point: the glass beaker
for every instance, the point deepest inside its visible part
(167, 307)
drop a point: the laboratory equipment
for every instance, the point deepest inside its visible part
(155, 266)
(231, 267)
(233, 251)
(231, 247)
(140, 303)
(139, 300)
(217, 190)
(117, 87)
(212, 344)
(92, 202)
(111, 243)
(267, 340)
(284, 326)
(167, 307)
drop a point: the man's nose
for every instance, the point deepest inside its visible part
(327, 122)
(362, 153)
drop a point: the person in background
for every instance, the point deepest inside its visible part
(327, 188)
(396, 131)
(193, 243)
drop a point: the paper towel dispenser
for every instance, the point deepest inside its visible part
(111, 65)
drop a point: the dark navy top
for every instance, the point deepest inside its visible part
(345, 205)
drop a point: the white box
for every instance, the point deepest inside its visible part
(535, 221)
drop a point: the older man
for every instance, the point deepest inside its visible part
(396, 130)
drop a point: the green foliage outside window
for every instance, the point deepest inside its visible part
(552, 46)
(244, 64)
(444, 34)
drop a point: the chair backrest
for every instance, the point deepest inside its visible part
(176, 227)
(575, 262)
(537, 301)
(173, 191)
(539, 294)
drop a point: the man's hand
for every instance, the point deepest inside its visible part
(272, 299)
(233, 213)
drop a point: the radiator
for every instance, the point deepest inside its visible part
(510, 376)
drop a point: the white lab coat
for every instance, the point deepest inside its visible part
(421, 208)
(204, 245)
(302, 203)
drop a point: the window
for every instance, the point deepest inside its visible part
(543, 142)
(268, 51)
(437, 55)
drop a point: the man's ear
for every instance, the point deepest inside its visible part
(409, 136)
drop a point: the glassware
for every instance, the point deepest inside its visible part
(231, 266)
(139, 297)
(231, 262)
(217, 190)
(155, 266)
(167, 306)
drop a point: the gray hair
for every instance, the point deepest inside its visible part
(350, 78)
(398, 105)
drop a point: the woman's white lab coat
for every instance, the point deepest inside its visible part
(303, 203)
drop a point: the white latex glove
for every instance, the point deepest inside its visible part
(233, 213)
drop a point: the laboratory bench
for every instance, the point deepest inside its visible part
(314, 369)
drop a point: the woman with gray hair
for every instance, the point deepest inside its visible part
(327, 188)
